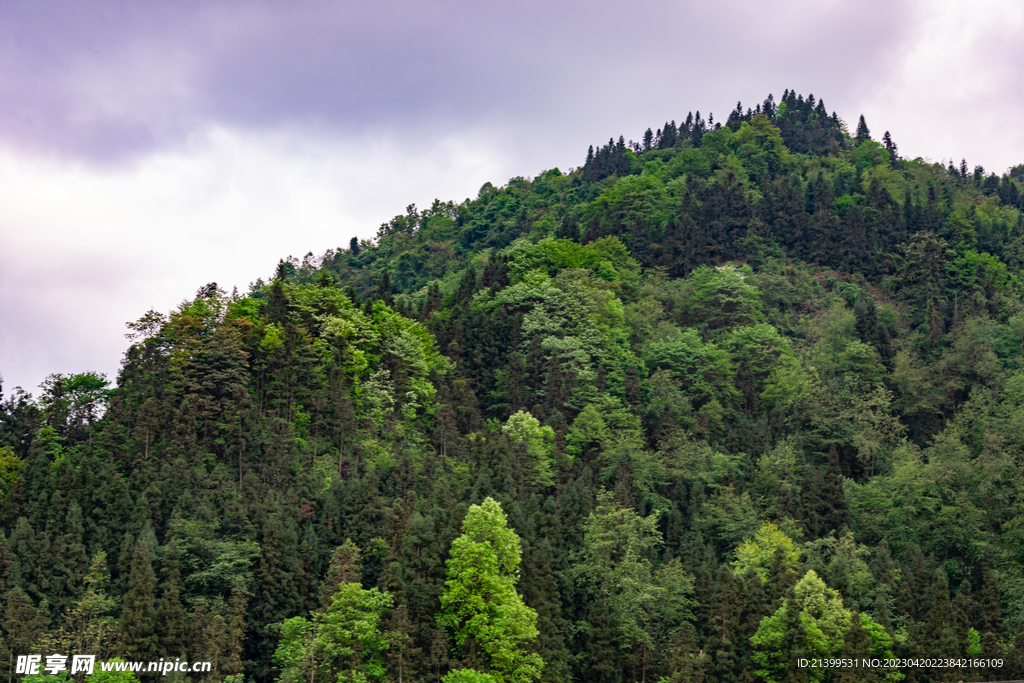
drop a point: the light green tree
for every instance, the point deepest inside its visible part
(721, 297)
(757, 552)
(704, 371)
(759, 145)
(812, 624)
(467, 676)
(973, 642)
(523, 428)
(10, 468)
(589, 433)
(342, 643)
(480, 605)
(298, 654)
(351, 632)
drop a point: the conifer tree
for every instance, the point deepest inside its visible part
(863, 134)
(22, 553)
(686, 661)
(344, 568)
(138, 613)
(88, 625)
(233, 663)
(403, 656)
(605, 662)
(857, 647)
(277, 595)
(781, 576)
(170, 612)
(24, 625)
(73, 562)
(726, 625)
(43, 583)
(991, 608)
(5, 559)
(939, 631)
(541, 594)
(891, 148)
(755, 608)
(215, 641)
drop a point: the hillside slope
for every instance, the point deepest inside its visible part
(747, 392)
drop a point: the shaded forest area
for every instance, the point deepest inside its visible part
(746, 392)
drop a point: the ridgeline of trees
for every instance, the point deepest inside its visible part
(734, 395)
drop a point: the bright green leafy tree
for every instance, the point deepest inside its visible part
(524, 428)
(480, 605)
(342, 643)
(812, 623)
(756, 553)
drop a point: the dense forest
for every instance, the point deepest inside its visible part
(739, 394)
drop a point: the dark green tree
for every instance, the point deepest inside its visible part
(138, 613)
(863, 134)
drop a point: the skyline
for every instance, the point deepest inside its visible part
(148, 151)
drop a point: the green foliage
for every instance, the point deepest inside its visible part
(812, 623)
(467, 676)
(704, 371)
(10, 469)
(351, 633)
(870, 154)
(138, 614)
(616, 560)
(607, 257)
(721, 297)
(480, 605)
(523, 428)
(97, 675)
(634, 204)
(342, 642)
(756, 553)
(88, 625)
(759, 146)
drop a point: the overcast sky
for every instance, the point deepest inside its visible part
(149, 148)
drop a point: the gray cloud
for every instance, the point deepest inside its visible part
(110, 80)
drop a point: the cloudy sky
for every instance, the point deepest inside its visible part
(149, 148)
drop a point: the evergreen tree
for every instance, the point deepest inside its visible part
(687, 660)
(170, 614)
(277, 595)
(939, 630)
(726, 625)
(857, 647)
(604, 659)
(138, 613)
(344, 568)
(891, 148)
(863, 134)
(23, 625)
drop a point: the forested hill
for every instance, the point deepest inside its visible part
(746, 393)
